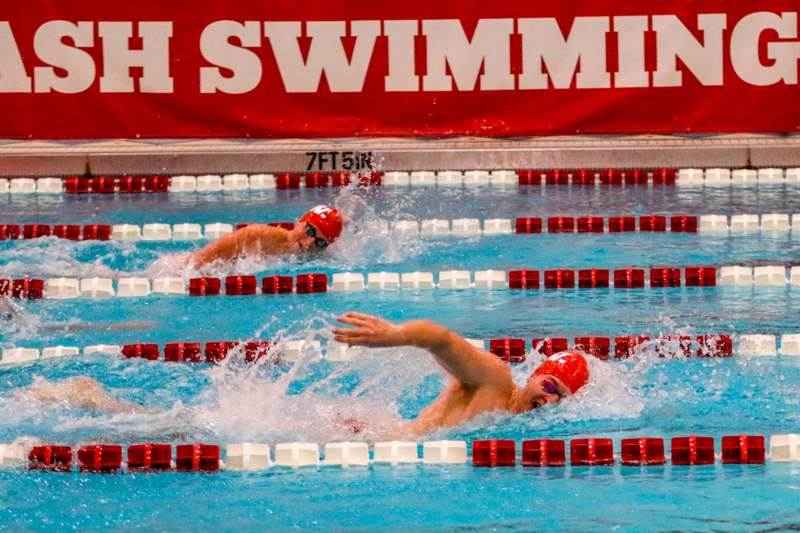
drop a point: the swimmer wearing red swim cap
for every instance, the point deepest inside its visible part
(313, 232)
(481, 381)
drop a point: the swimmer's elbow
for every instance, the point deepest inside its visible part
(427, 334)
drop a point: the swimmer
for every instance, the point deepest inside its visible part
(314, 232)
(481, 381)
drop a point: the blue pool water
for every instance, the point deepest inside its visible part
(231, 403)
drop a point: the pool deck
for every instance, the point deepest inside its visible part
(41, 158)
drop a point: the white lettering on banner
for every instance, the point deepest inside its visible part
(326, 54)
(50, 48)
(630, 34)
(118, 58)
(13, 78)
(744, 49)
(584, 50)
(400, 35)
(216, 49)
(674, 40)
(490, 48)
(66, 58)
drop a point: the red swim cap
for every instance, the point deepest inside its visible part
(325, 219)
(570, 367)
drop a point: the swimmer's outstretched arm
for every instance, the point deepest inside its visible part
(469, 365)
(252, 239)
(85, 393)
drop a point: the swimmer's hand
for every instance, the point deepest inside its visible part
(369, 331)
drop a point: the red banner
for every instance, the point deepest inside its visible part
(89, 69)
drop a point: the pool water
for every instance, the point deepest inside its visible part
(645, 396)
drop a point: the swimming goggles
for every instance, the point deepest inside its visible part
(550, 387)
(318, 241)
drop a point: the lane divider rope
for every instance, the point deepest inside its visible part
(769, 223)
(511, 350)
(253, 456)
(657, 277)
(442, 178)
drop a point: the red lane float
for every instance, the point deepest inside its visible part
(702, 276)
(287, 180)
(493, 453)
(156, 183)
(624, 176)
(652, 223)
(561, 225)
(9, 232)
(621, 224)
(665, 277)
(183, 352)
(218, 351)
(556, 176)
(548, 346)
(664, 176)
(544, 452)
(100, 458)
(642, 451)
(24, 289)
(317, 180)
(96, 232)
(743, 449)
(76, 185)
(529, 177)
(594, 278)
(204, 286)
(34, 231)
(102, 185)
(122, 184)
(51, 458)
(559, 279)
(255, 350)
(523, 279)
(611, 176)
(509, 350)
(71, 232)
(683, 224)
(149, 457)
(636, 176)
(599, 347)
(130, 184)
(591, 452)
(583, 176)
(693, 450)
(240, 285)
(197, 457)
(629, 278)
(528, 225)
(590, 225)
(311, 283)
(141, 351)
(277, 285)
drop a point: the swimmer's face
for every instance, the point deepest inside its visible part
(543, 389)
(309, 238)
